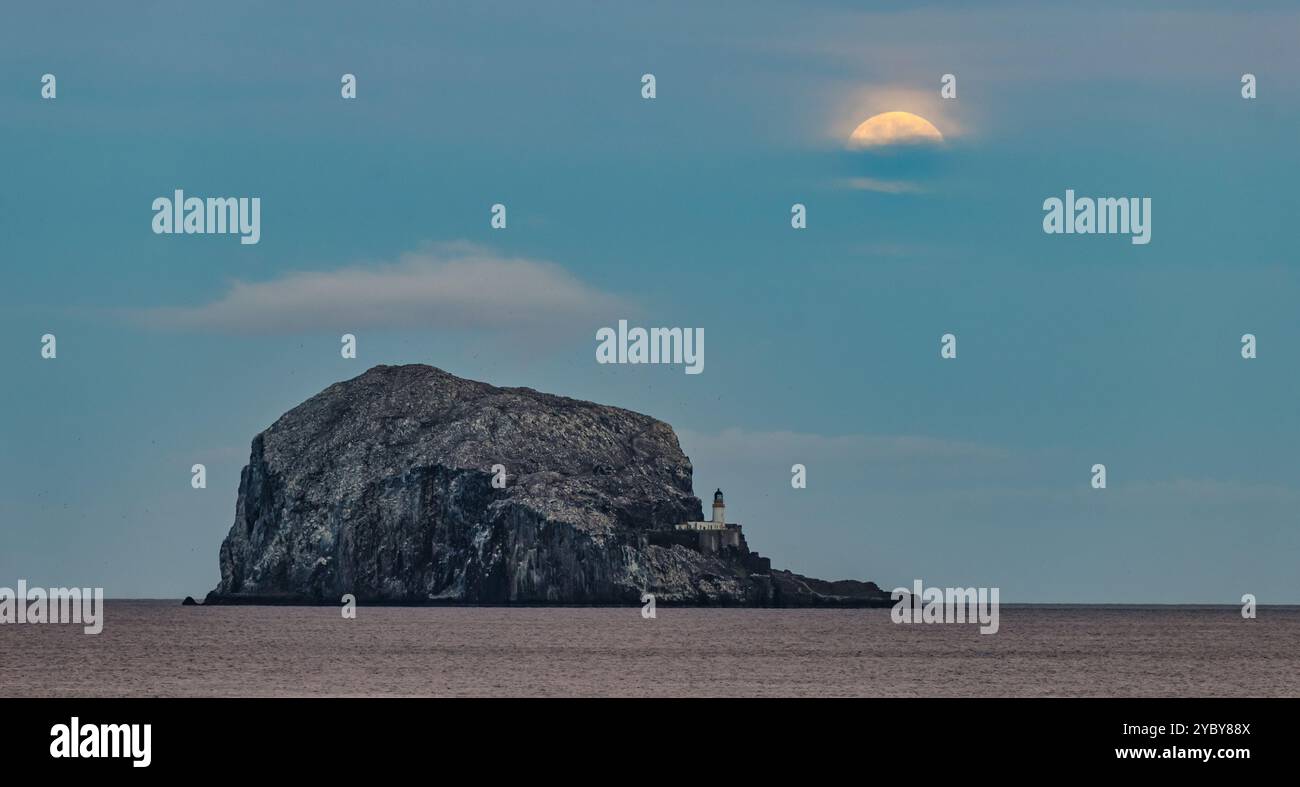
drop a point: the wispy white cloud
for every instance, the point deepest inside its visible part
(1020, 42)
(740, 445)
(1198, 491)
(455, 286)
(883, 186)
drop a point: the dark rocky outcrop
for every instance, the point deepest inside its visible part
(189, 602)
(381, 487)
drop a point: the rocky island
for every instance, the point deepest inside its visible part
(409, 485)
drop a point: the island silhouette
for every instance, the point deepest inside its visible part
(410, 485)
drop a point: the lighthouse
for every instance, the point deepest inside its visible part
(718, 522)
(712, 536)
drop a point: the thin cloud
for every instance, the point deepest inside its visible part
(1200, 491)
(883, 186)
(740, 445)
(448, 286)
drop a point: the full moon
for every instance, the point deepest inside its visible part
(894, 128)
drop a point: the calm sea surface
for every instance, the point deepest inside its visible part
(158, 648)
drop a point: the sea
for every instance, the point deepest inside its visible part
(152, 648)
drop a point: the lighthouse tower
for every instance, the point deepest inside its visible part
(713, 536)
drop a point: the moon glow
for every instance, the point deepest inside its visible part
(894, 128)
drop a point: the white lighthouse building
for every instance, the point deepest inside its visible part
(715, 535)
(719, 521)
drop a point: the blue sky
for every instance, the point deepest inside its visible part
(821, 344)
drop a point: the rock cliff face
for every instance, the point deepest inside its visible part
(382, 487)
